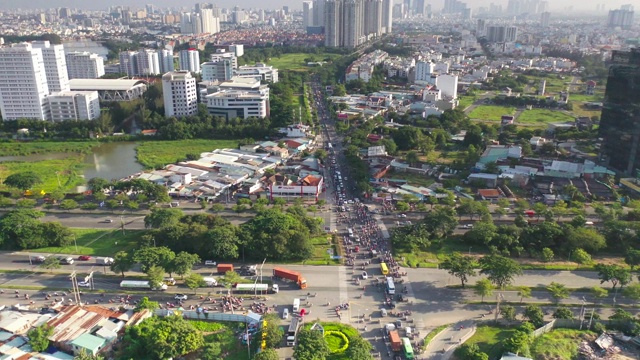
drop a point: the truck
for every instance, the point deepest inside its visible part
(292, 332)
(139, 284)
(223, 268)
(396, 343)
(290, 275)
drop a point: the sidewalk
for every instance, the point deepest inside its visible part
(449, 340)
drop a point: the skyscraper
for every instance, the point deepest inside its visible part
(165, 58)
(307, 14)
(23, 84)
(545, 17)
(620, 119)
(622, 17)
(84, 65)
(128, 63)
(190, 60)
(333, 23)
(318, 12)
(373, 17)
(147, 62)
(502, 34)
(55, 65)
(350, 23)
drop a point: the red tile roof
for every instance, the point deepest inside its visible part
(489, 193)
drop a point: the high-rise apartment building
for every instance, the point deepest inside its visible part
(373, 17)
(353, 23)
(501, 34)
(165, 58)
(333, 23)
(128, 63)
(55, 65)
(620, 119)
(307, 14)
(74, 105)
(387, 16)
(318, 12)
(84, 65)
(350, 23)
(545, 18)
(23, 84)
(179, 93)
(622, 17)
(147, 62)
(424, 69)
(190, 60)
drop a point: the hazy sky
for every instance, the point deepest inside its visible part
(588, 5)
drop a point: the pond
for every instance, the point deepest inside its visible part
(114, 160)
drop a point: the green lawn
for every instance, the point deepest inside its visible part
(296, 61)
(155, 154)
(464, 101)
(491, 112)
(538, 116)
(489, 339)
(98, 242)
(15, 148)
(229, 343)
(64, 172)
(587, 98)
(559, 344)
(411, 178)
(320, 255)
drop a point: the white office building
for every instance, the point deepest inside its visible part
(262, 72)
(448, 85)
(424, 69)
(84, 65)
(221, 54)
(237, 49)
(55, 65)
(190, 60)
(165, 57)
(180, 94)
(23, 83)
(221, 70)
(74, 105)
(238, 104)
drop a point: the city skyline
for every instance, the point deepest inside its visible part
(437, 5)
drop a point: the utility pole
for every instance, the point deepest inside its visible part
(582, 313)
(499, 298)
(76, 290)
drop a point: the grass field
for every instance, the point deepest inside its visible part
(154, 154)
(229, 343)
(580, 110)
(55, 173)
(412, 179)
(98, 242)
(489, 339)
(491, 112)
(15, 148)
(320, 255)
(465, 101)
(559, 344)
(587, 98)
(543, 116)
(296, 61)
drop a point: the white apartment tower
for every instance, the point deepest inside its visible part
(424, 69)
(165, 57)
(84, 65)
(307, 14)
(333, 23)
(147, 62)
(55, 65)
(373, 17)
(190, 60)
(74, 105)
(128, 63)
(318, 12)
(23, 84)
(448, 85)
(179, 93)
(353, 23)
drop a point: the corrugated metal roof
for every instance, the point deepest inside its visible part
(74, 321)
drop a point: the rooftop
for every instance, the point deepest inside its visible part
(104, 84)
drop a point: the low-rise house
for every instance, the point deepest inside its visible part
(492, 195)
(489, 180)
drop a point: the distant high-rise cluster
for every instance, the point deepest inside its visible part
(455, 7)
(203, 20)
(518, 7)
(350, 23)
(502, 34)
(622, 17)
(146, 62)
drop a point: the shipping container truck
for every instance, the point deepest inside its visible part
(223, 268)
(138, 284)
(396, 343)
(290, 275)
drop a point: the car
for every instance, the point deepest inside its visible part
(467, 226)
(210, 263)
(84, 257)
(108, 220)
(180, 297)
(84, 284)
(402, 215)
(38, 259)
(365, 276)
(285, 314)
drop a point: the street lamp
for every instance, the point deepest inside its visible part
(582, 312)
(75, 242)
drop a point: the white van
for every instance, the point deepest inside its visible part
(285, 314)
(210, 281)
(296, 304)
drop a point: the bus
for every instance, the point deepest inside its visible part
(384, 269)
(391, 287)
(408, 349)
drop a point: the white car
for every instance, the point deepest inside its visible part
(210, 263)
(365, 276)
(84, 284)
(180, 297)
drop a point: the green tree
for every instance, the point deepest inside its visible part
(534, 314)
(155, 275)
(311, 345)
(482, 288)
(194, 281)
(547, 255)
(508, 312)
(632, 291)
(222, 242)
(412, 158)
(581, 257)
(211, 351)
(122, 262)
(146, 304)
(267, 354)
(84, 355)
(359, 349)
(22, 229)
(97, 184)
(585, 238)
(614, 274)
(51, 263)
(161, 338)
(632, 258)
(524, 292)
(563, 312)
(39, 337)
(518, 343)
(273, 331)
(162, 217)
(183, 262)
(558, 291)
(68, 204)
(154, 256)
(217, 207)
(23, 180)
(459, 266)
(499, 269)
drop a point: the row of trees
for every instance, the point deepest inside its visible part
(273, 233)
